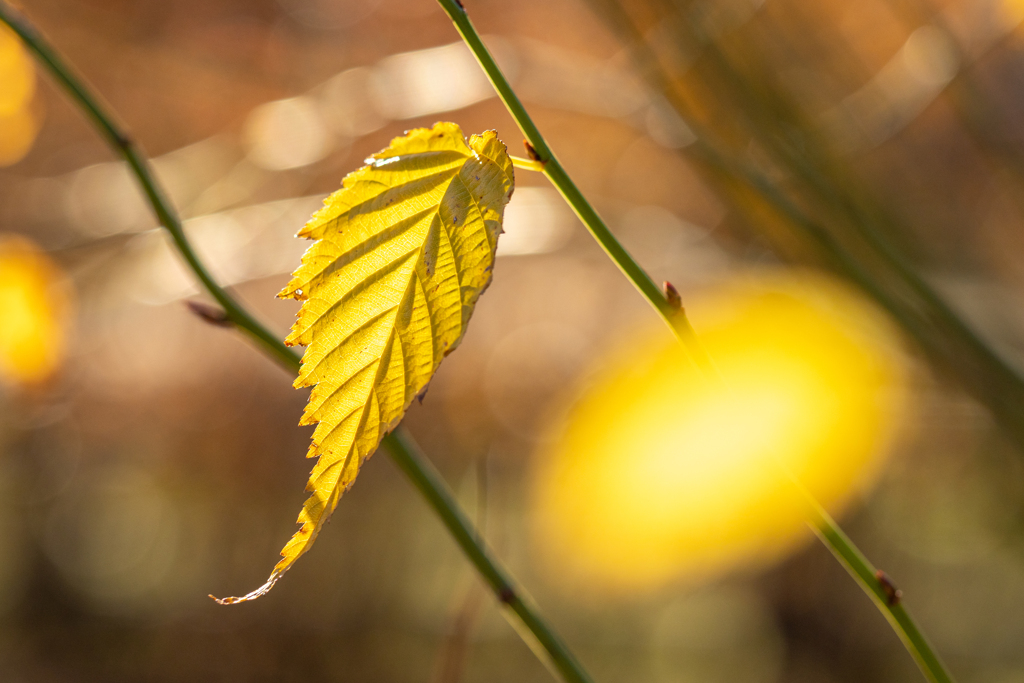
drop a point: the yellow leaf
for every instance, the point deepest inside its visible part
(402, 253)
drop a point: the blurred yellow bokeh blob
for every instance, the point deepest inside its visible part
(19, 114)
(17, 135)
(662, 474)
(17, 73)
(35, 309)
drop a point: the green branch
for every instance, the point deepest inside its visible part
(545, 643)
(670, 312)
(829, 532)
(404, 451)
(881, 591)
(123, 144)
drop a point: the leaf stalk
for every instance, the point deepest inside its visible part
(534, 165)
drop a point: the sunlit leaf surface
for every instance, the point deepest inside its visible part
(402, 253)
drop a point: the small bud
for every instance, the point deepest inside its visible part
(893, 595)
(531, 152)
(209, 314)
(672, 295)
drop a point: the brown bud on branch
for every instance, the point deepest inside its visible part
(893, 595)
(531, 152)
(210, 314)
(672, 295)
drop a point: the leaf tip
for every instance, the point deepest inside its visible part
(259, 592)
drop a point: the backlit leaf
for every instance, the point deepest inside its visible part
(402, 253)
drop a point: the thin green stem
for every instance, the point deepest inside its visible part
(882, 593)
(406, 454)
(674, 316)
(828, 530)
(542, 639)
(123, 144)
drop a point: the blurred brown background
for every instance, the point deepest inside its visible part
(162, 461)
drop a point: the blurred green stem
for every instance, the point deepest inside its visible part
(829, 532)
(404, 451)
(538, 635)
(830, 199)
